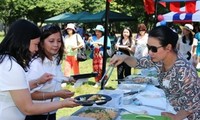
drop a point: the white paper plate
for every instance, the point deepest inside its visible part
(132, 87)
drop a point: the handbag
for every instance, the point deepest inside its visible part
(81, 55)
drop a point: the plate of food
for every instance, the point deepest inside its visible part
(98, 113)
(90, 99)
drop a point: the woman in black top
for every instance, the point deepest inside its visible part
(125, 45)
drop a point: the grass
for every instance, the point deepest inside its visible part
(86, 88)
(1, 36)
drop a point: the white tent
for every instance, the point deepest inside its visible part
(182, 16)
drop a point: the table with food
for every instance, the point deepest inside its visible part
(137, 97)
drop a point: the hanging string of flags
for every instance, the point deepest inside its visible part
(174, 5)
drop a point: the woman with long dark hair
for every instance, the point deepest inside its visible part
(187, 44)
(16, 51)
(125, 45)
(48, 61)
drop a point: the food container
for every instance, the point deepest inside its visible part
(98, 113)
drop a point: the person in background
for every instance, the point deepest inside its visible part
(197, 36)
(72, 42)
(125, 45)
(140, 44)
(16, 51)
(48, 61)
(87, 39)
(98, 46)
(141, 41)
(187, 43)
(177, 76)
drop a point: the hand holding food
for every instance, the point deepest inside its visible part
(69, 102)
(64, 94)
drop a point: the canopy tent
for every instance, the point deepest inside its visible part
(100, 17)
(183, 16)
(58, 18)
(62, 18)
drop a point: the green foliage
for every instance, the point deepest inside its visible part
(39, 10)
(93, 6)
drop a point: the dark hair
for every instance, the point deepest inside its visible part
(130, 37)
(17, 41)
(191, 37)
(73, 31)
(165, 35)
(46, 32)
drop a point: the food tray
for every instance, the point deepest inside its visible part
(101, 110)
(143, 117)
(87, 102)
(86, 75)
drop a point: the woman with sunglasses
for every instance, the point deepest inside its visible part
(176, 75)
(16, 51)
(48, 61)
(141, 41)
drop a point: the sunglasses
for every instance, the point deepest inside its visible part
(153, 48)
(49, 28)
(142, 30)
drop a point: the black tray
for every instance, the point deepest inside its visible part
(86, 75)
(91, 102)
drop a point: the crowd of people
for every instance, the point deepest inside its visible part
(30, 64)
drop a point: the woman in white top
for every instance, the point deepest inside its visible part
(50, 54)
(72, 41)
(16, 50)
(141, 41)
(187, 44)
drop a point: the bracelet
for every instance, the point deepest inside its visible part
(37, 83)
(43, 96)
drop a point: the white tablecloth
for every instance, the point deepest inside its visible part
(151, 96)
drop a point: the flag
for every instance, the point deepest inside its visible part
(149, 6)
(190, 7)
(163, 4)
(174, 6)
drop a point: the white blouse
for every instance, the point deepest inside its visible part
(37, 69)
(12, 77)
(72, 41)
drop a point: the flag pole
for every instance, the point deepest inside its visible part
(105, 41)
(156, 12)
